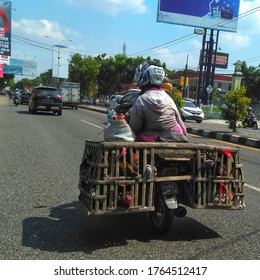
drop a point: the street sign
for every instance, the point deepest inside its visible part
(209, 89)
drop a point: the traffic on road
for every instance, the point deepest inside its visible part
(43, 219)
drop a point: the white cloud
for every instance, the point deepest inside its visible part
(177, 60)
(234, 41)
(37, 28)
(112, 7)
(249, 24)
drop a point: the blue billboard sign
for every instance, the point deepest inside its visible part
(21, 67)
(211, 14)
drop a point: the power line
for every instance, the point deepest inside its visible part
(33, 43)
(192, 35)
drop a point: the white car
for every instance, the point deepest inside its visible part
(191, 112)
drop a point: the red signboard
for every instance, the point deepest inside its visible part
(1, 71)
(221, 60)
(5, 28)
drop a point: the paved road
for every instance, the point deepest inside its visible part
(41, 217)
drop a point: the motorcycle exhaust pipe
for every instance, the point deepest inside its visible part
(180, 212)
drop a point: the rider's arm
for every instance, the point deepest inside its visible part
(136, 117)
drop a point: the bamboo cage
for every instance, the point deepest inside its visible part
(206, 175)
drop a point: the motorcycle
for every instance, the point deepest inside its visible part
(166, 197)
(16, 101)
(250, 121)
(166, 193)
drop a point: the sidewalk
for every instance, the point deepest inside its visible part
(218, 129)
(212, 128)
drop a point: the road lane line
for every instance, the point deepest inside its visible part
(252, 187)
(223, 141)
(92, 124)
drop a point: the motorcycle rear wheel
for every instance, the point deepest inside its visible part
(255, 126)
(162, 217)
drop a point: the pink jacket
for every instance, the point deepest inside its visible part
(155, 111)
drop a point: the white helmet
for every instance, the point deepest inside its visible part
(149, 73)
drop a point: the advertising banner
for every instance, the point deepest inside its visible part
(221, 60)
(5, 28)
(1, 71)
(210, 14)
(4, 59)
(21, 67)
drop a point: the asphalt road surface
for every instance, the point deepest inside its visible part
(41, 217)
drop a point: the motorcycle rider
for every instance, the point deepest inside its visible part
(249, 116)
(16, 97)
(167, 86)
(154, 115)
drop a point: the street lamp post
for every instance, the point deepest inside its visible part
(59, 46)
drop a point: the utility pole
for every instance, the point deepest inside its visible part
(124, 49)
(185, 77)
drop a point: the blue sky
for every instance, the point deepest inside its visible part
(92, 27)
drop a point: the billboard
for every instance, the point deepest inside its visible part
(21, 67)
(221, 60)
(5, 28)
(210, 14)
(60, 62)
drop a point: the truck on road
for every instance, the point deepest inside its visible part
(70, 93)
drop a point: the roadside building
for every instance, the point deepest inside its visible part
(222, 83)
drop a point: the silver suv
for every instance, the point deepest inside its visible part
(45, 98)
(191, 112)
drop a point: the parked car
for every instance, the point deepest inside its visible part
(45, 98)
(24, 97)
(191, 112)
(85, 101)
(127, 101)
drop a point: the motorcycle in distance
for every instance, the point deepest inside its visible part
(16, 100)
(250, 121)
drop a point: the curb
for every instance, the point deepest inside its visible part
(99, 110)
(251, 142)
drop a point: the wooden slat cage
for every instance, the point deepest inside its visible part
(206, 175)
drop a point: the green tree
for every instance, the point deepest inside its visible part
(46, 78)
(28, 83)
(84, 70)
(177, 98)
(235, 108)
(115, 71)
(251, 80)
(7, 81)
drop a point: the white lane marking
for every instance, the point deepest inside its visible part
(92, 124)
(252, 187)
